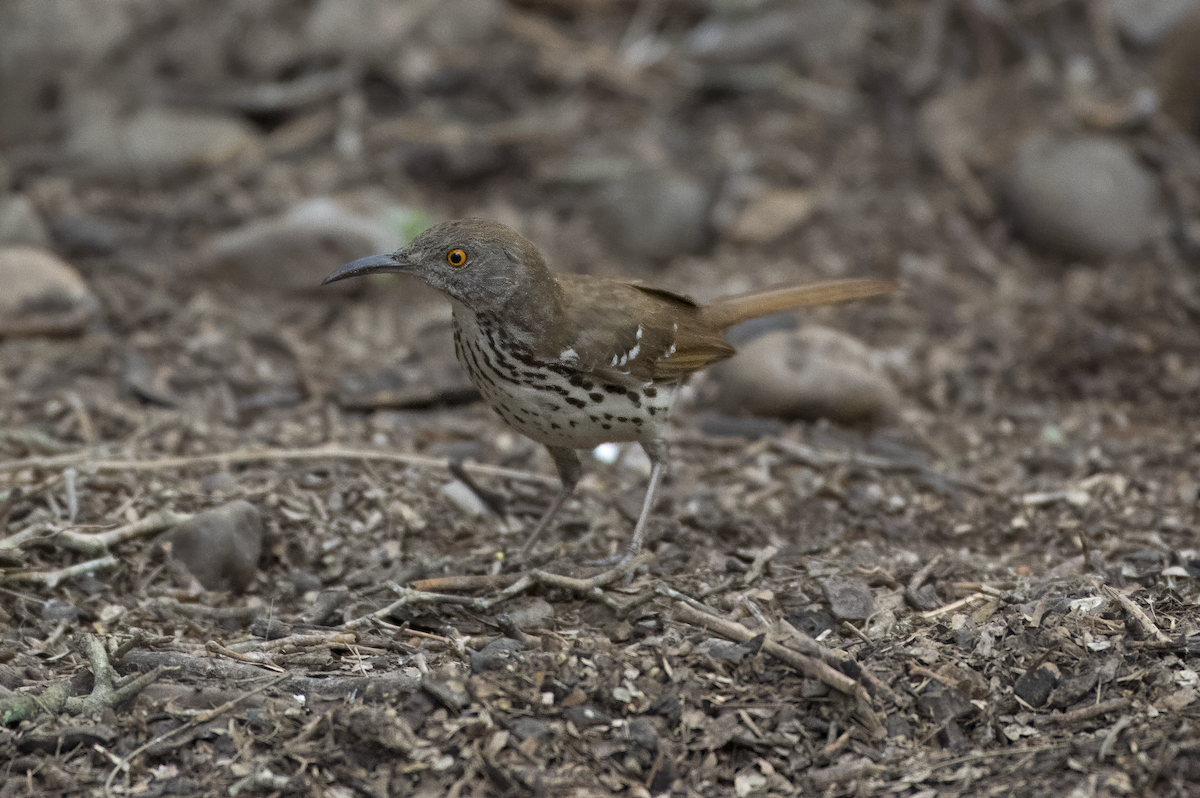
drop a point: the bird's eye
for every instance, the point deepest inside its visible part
(457, 258)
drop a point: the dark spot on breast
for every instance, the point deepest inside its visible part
(572, 423)
(650, 392)
(623, 419)
(653, 410)
(637, 421)
(615, 388)
(594, 418)
(608, 416)
(554, 426)
(596, 397)
(571, 400)
(606, 426)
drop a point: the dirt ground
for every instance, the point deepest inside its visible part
(990, 590)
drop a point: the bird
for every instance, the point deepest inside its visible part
(573, 361)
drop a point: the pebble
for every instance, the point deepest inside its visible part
(40, 288)
(1036, 684)
(465, 499)
(654, 214)
(20, 224)
(530, 612)
(525, 728)
(221, 546)
(849, 599)
(817, 32)
(809, 373)
(296, 251)
(771, 214)
(496, 655)
(1147, 22)
(1081, 196)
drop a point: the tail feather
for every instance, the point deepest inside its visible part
(727, 311)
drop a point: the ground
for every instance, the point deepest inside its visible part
(988, 589)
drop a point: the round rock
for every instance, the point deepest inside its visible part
(810, 373)
(41, 292)
(220, 547)
(1083, 196)
(654, 214)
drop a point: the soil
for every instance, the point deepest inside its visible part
(989, 591)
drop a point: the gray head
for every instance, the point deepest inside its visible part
(481, 263)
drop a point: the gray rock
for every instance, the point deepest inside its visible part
(525, 727)
(221, 546)
(496, 655)
(154, 139)
(772, 213)
(1083, 196)
(818, 32)
(42, 293)
(810, 373)
(298, 250)
(1146, 22)
(654, 214)
(369, 29)
(849, 599)
(20, 224)
(530, 612)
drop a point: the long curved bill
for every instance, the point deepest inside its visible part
(372, 264)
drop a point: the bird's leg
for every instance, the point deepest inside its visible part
(570, 470)
(658, 452)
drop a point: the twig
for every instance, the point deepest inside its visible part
(1149, 626)
(103, 541)
(760, 563)
(809, 666)
(53, 579)
(203, 717)
(247, 456)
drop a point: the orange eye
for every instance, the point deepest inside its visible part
(457, 258)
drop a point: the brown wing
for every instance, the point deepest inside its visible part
(632, 334)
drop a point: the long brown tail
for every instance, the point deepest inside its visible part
(727, 311)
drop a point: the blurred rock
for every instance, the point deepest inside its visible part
(654, 214)
(154, 139)
(42, 293)
(530, 612)
(85, 235)
(368, 29)
(496, 655)
(1146, 22)
(298, 250)
(220, 547)
(810, 373)
(771, 214)
(42, 44)
(1083, 196)
(817, 32)
(849, 599)
(1177, 74)
(465, 499)
(20, 224)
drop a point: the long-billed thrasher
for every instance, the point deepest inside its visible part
(573, 361)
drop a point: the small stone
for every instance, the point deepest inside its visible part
(525, 728)
(586, 717)
(810, 373)
(720, 649)
(156, 139)
(654, 214)
(771, 214)
(849, 599)
(368, 29)
(496, 655)
(84, 235)
(220, 547)
(55, 610)
(530, 612)
(1147, 22)
(41, 292)
(816, 32)
(218, 482)
(20, 224)
(1083, 196)
(464, 499)
(1036, 684)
